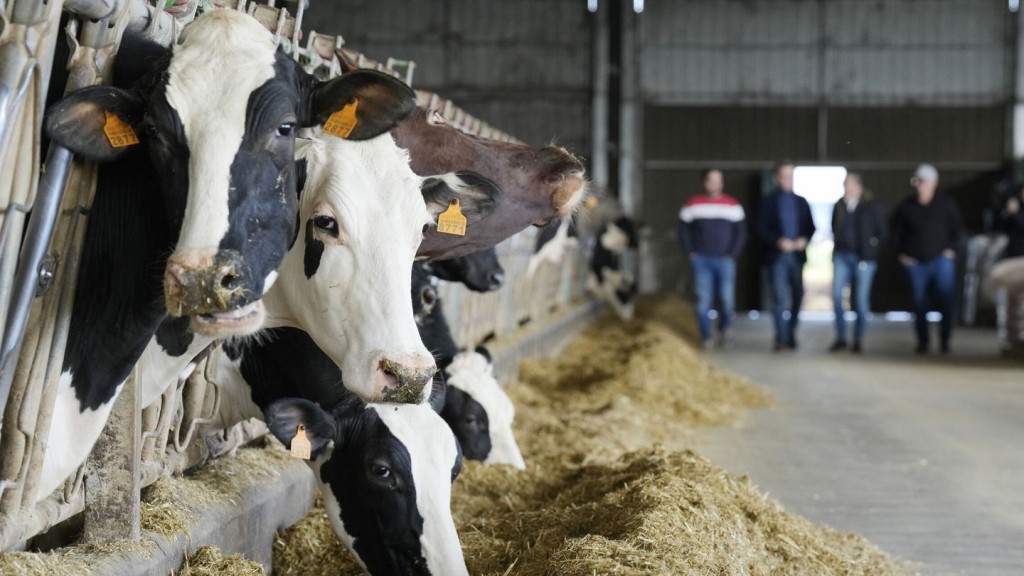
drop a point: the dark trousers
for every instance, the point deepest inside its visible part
(787, 272)
(933, 282)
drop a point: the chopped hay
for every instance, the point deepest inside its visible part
(209, 561)
(71, 560)
(164, 510)
(610, 486)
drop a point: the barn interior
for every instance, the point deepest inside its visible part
(649, 446)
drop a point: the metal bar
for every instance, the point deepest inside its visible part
(967, 166)
(37, 241)
(92, 9)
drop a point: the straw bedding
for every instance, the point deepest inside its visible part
(611, 487)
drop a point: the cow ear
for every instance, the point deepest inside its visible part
(478, 196)
(380, 102)
(78, 121)
(283, 418)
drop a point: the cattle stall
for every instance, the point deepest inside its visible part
(540, 307)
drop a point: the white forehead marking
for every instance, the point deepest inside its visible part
(369, 177)
(474, 375)
(224, 58)
(432, 452)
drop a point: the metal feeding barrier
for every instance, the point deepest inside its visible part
(39, 258)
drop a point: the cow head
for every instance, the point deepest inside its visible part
(219, 116)
(385, 473)
(479, 412)
(537, 184)
(480, 271)
(345, 281)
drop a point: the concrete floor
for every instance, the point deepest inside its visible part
(924, 456)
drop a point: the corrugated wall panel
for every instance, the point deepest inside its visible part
(520, 65)
(857, 51)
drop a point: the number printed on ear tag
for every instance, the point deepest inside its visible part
(119, 133)
(342, 122)
(451, 221)
(300, 444)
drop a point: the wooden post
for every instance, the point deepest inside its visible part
(112, 477)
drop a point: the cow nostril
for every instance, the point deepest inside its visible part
(429, 296)
(497, 279)
(229, 280)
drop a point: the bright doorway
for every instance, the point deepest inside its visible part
(822, 186)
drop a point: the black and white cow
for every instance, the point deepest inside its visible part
(212, 178)
(385, 470)
(607, 279)
(478, 410)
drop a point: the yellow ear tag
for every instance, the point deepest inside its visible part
(119, 133)
(591, 202)
(300, 444)
(451, 221)
(342, 122)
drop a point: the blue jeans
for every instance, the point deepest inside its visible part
(933, 282)
(714, 275)
(788, 293)
(846, 269)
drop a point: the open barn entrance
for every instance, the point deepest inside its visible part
(822, 186)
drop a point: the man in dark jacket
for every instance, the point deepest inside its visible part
(785, 227)
(712, 230)
(927, 232)
(858, 228)
(1012, 220)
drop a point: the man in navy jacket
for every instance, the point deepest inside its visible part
(785, 227)
(712, 230)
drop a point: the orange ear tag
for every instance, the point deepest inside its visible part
(119, 133)
(451, 221)
(342, 122)
(300, 444)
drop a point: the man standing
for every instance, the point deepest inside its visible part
(927, 231)
(858, 227)
(712, 231)
(785, 226)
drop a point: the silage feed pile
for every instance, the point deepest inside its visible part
(611, 487)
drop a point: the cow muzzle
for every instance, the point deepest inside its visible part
(212, 290)
(404, 379)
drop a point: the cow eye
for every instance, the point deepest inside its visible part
(286, 129)
(327, 224)
(381, 471)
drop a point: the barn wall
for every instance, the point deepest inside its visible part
(877, 86)
(521, 65)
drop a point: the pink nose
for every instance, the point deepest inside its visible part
(403, 378)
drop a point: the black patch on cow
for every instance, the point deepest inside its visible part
(433, 326)
(468, 420)
(119, 295)
(174, 335)
(286, 362)
(485, 353)
(480, 271)
(457, 468)
(233, 349)
(379, 512)
(314, 250)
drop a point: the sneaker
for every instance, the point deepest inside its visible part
(778, 346)
(944, 347)
(791, 344)
(707, 344)
(922, 348)
(856, 348)
(837, 346)
(725, 340)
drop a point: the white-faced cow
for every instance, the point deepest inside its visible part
(537, 184)
(195, 219)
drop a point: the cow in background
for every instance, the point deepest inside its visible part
(607, 279)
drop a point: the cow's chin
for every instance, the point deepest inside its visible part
(242, 321)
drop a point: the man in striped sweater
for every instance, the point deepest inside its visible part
(712, 231)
